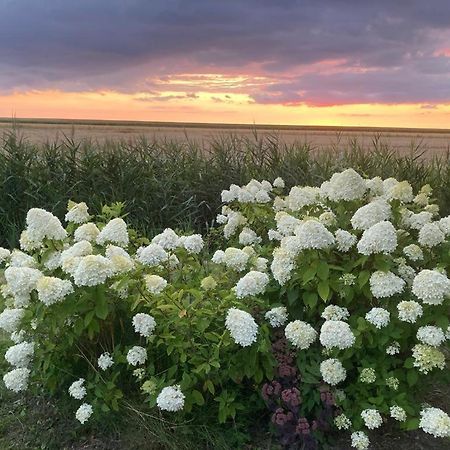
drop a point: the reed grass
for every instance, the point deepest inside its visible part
(171, 183)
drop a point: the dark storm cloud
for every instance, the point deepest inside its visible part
(121, 44)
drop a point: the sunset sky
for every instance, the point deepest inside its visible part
(330, 62)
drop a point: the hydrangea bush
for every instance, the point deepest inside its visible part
(332, 301)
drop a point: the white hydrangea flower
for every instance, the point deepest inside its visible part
(372, 418)
(368, 375)
(431, 235)
(18, 336)
(334, 312)
(86, 232)
(120, 259)
(332, 371)
(417, 221)
(208, 283)
(221, 219)
(51, 290)
(136, 355)
(426, 358)
(26, 244)
(105, 361)
(360, 440)
(375, 186)
(406, 272)
(368, 215)
(92, 270)
(171, 399)
(402, 191)
(436, 422)
(430, 335)
(155, 284)
(235, 258)
(413, 252)
(20, 355)
(252, 283)
(300, 334)
(312, 234)
(277, 317)
(286, 224)
(393, 349)
(342, 422)
(379, 317)
(242, 327)
(248, 237)
(52, 261)
(431, 286)
(77, 250)
(347, 185)
(77, 389)
(144, 324)
(385, 284)
(168, 239)
(193, 244)
(260, 264)
(344, 240)
(83, 413)
(41, 224)
(22, 280)
(151, 255)
(347, 279)
(336, 333)
(17, 379)
(278, 183)
(379, 238)
(20, 259)
(235, 220)
(392, 383)
(409, 311)
(78, 213)
(397, 413)
(4, 254)
(444, 225)
(300, 197)
(218, 257)
(10, 319)
(115, 232)
(282, 266)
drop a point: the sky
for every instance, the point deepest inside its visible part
(317, 62)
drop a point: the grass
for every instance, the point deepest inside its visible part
(178, 184)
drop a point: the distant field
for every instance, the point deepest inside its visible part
(434, 141)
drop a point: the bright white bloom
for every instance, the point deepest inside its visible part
(248, 237)
(277, 317)
(385, 284)
(82, 248)
(83, 413)
(398, 413)
(347, 279)
(379, 317)
(136, 355)
(302, 196)
(417, 221)
(17, 336)
(242, 327)
(413, 252)
(274, 235)
(52, 261)
(193, 244)
(344, 240)
(155, 284)
(402, 191)
(105, 361)
(336, 333)
(51, 290)
(372, 418)
(282, 265)
(379, 238)
(120, 259)
(151, 255)
(26, 244)
(77, 213)
(4, 254)
(347, 185)
(278, 182)
(235, 258)
(168, 239)
(312, 234)
(409, 311)
(144, 324)
(253, 283)
(435, 421)
(431, 286)
(10, 319)
(360, 441)
(20, 355)
(22, 280)
(444, 225)
(342, 422)
(17, 379)
(431, 235)
(375, 185)
(332, 371)
(115, 232)
(393, 349)
(235, 220)
(286, 224)
(171, 399)
(370, 214)
(392, 383)
(20, 259)
(368, 375)
(430, 335)
(300, 334)
(87, 232)
(328, 218)
(333, 312)
(406, 272)
(92, 270)
(426, 358)
(218, 257)
(41, 224)
(260, 264)
(77, 389)
(221, 219)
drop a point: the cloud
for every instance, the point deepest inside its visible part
(313, 52)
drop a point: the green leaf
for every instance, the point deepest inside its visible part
(323, 288)
(309, 274)
(409, 363)
(198, 398)
(412, 377)
(363, 278)
(323, 270)
(310, 299)
(101, 307)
